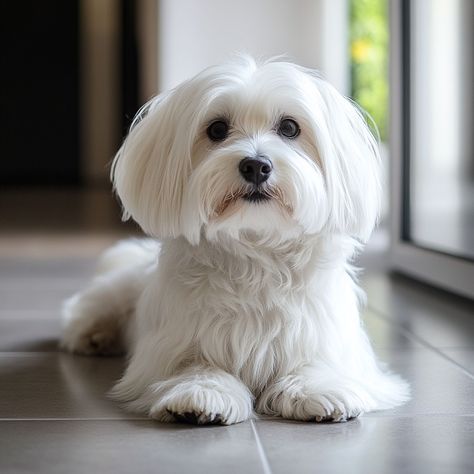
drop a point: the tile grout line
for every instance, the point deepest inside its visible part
(77, 419)
(11, 317)
(261, 451)
(420, 340)
(35, 353)
(417, 415)
(259, 444)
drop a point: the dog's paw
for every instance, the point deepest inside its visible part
(101, 339)
(89, 333)
(313, 407)
(322, 408)
(202, 401)
(196, 418)
(304, 402)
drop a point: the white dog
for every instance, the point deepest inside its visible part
(261, 182)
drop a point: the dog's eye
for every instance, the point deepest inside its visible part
(218, 130)
(288, 128)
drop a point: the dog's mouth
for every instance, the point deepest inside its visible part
(256, 195)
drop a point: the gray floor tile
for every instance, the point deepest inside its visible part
(27, 269)
(371, 445)
(29, 335)
(30, 314)
(441, 319)
(464, 357)
(34, 299)
(438, 387)
(40, 286)
(58, 447)
(42, 283)
(49, 385)
(384, 334)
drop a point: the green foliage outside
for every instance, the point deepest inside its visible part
(369, 58)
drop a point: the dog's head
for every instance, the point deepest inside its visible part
(269, 148)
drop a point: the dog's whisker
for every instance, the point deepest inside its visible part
(227, 201)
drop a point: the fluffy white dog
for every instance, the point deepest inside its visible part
(261, 182)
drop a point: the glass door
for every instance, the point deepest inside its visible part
(432, 137)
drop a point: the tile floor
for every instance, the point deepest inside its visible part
(55, 418)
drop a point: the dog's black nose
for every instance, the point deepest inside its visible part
(256, 170)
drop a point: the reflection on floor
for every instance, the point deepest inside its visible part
(55, 418)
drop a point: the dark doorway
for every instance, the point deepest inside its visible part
(130, 63)
(39, 90)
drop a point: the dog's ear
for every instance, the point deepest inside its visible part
(150, 170)
(350, 157)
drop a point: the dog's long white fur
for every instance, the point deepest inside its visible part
(255, 307)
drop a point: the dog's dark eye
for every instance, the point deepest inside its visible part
(218, 130)
(288, 128)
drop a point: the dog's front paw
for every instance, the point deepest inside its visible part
(198, 418)
(202, 399)
(201, 406)
(310, 407)
(293, 398)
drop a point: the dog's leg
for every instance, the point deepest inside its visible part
(197, 395)
(97, 319)
(315, 394)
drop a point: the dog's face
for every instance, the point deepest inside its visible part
(271, 149)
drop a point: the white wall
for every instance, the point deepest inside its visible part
(193, 34)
